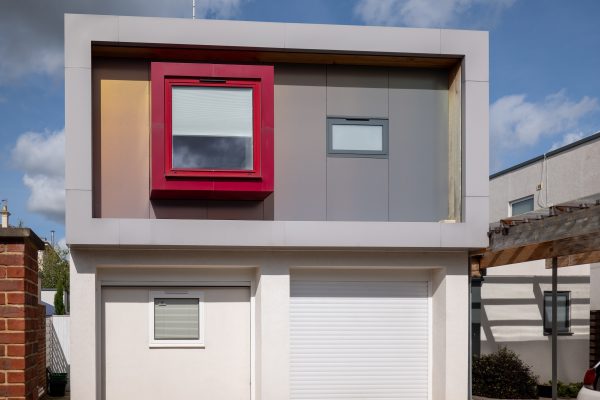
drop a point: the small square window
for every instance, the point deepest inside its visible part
(176, 318)
(521, 206)
(563, 309)
(357, 137)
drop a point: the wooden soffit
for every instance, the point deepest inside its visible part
(573, 237)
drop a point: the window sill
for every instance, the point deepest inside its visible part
(172, 345)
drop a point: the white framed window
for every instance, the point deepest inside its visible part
(176, 318)
(521, 206)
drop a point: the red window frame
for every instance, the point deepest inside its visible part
(169, 182)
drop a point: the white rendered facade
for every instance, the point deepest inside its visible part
(267, 257)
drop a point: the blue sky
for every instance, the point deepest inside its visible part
(544, 75)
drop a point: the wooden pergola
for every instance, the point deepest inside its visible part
(564, 235)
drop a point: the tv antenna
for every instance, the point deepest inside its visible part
(193, 9)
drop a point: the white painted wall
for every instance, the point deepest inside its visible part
(220, 369)
(511, 316)
(595, 283)
(565, 176)
(268, 274)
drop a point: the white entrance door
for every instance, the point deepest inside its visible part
(359, 340)
(220, 370)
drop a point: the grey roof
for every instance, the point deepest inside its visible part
(552, 153)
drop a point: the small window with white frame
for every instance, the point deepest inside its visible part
(521, 206)
(176, 318)
(357, 137)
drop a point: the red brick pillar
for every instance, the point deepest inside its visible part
(20, 321)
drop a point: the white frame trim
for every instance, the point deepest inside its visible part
(176, 294)
(510, 204)
(429, 340)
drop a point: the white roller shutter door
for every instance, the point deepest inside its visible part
(359, 340)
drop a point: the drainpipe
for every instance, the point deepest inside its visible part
(554, 328)
(5, 214)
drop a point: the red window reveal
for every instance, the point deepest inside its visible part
(212, 131)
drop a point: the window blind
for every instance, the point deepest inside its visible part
(176, 318)
(211, 111)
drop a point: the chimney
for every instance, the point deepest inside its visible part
(5, 214)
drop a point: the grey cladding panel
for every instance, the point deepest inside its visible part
(418, 145)
(354, 91)
(357, 189)
(300, 147)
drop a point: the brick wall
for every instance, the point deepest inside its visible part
(22, 323)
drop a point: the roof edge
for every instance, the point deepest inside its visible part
(552, 153)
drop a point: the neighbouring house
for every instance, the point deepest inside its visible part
(516, 299)
(270, 210)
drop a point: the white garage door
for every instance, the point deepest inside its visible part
(359, 340)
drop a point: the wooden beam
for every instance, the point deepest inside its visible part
(564, 226)
(540, 251)
(475, 262)
(454, 143)
(212, 54)
(576, 259)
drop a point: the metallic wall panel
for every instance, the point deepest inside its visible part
(354, 91)
(121, 104)
(418, 158)
(300, 144)
(357, 189)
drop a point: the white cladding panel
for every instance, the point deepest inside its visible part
(359, 340)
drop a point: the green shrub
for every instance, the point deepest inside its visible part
(502, 375)
(59, 305)
(567, 390)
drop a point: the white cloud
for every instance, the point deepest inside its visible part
(515, 122)
(41, 156)
(426, 13)
(31, 31)
(567, 139)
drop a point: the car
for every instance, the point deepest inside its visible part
(591, 385)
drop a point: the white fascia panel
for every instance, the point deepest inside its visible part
(201, 32)
(78, 128)
(476, 148)
(474, 46)
(369, 39)
(81, 30)
(473, 232)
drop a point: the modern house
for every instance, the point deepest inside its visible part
(272, 211)
(516, 299)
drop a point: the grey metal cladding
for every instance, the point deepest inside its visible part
(357, 189)
(300, 145)
(418, 143)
